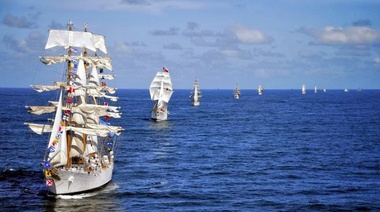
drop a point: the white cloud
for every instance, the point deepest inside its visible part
(248, 35)
(230, 53)
(356, 35)
(122, 47)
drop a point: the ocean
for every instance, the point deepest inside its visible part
(282, 151)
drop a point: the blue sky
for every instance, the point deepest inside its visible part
(284, 44)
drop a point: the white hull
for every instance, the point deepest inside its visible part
(236, 96)
(159, 116)
(72, 182)
(196, 103)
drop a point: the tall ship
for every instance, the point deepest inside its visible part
(260, 90)
(237, 92)
(80, 151)
(303, 89)
(161, 90)
(195, 94)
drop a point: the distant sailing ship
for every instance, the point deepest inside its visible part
(303, 90)
(260, 90)
(79, 156)
(161, 90)
(195, 94)
(237, 92)
(315, 89)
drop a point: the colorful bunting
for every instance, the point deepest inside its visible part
(47, 164)
(49, 182)
(51, 149)
(47, 173)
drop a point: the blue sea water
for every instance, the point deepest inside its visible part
(282, 151)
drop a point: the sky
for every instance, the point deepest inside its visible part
(332, 44)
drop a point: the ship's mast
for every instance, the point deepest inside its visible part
(70, 65)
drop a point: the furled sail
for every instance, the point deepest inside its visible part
(39, 128)
(88, 131)
(100, 62)
(38, 110)
(106, 76)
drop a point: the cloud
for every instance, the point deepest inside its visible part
(173, 46)
(202, 33)
(230, 37)
(356, 35)
(169, 32)
(192, 25)
(248, 35)
(123, 47)
(153, 6)
(55, 25)
(136, 2)
(17, 22)
(365, 22)
(313, 55)
(30, 44)
(230, 52)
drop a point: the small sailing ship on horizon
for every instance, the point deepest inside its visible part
(79, 155)
(237, 92)
(161, 90)
(195, 94)
(260, 90)
(303, 89)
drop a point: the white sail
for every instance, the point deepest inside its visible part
(80, 79)
(58, 154)
(77, 146)
(93, 82)
(99, 43)
(57, 120)
(66, 39)
(57, 142)
(91, 145)
(161, 90)
(161, 87)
